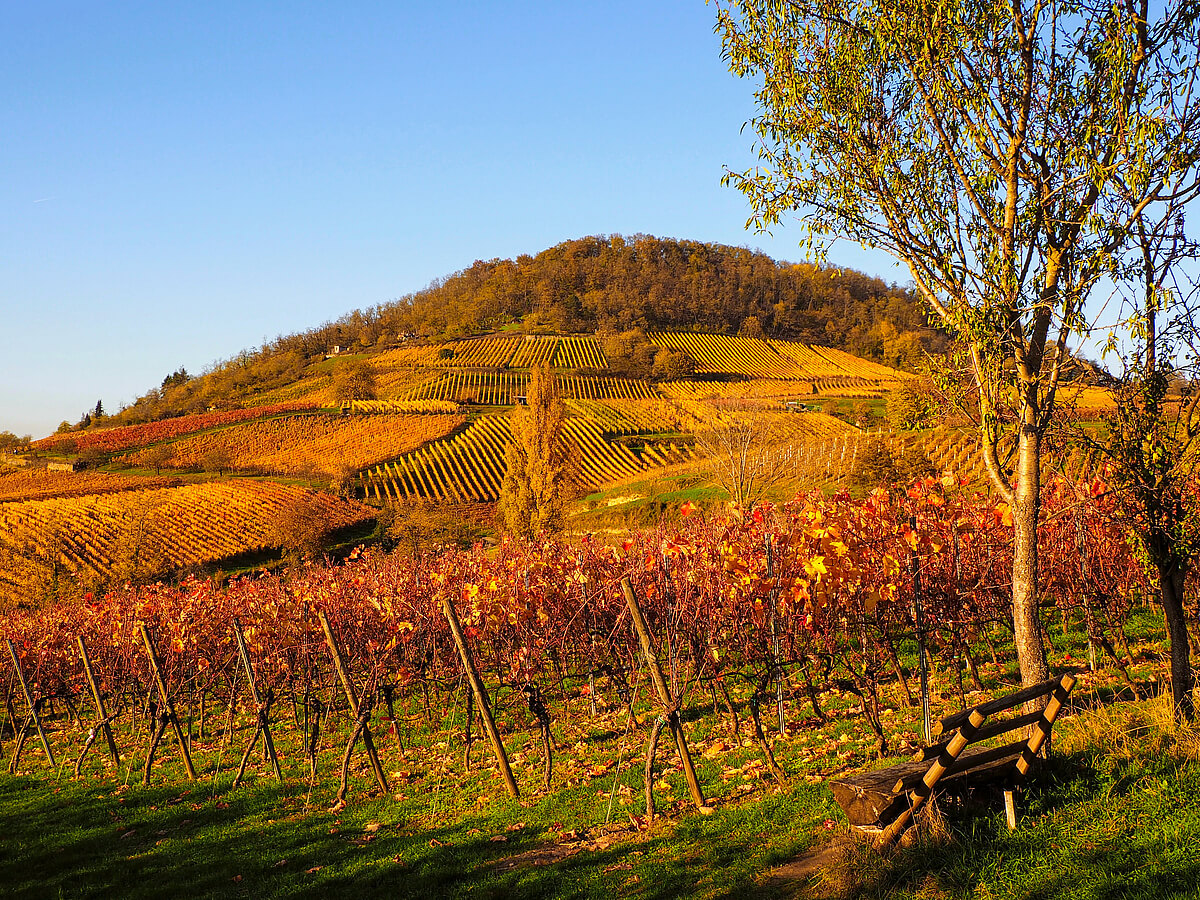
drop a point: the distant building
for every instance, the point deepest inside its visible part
(74, 465)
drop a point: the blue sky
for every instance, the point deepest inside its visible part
(180, 181)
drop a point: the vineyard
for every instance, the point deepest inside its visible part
(504, 388)
(113, 440)
(469, 467)
(91, 538)
(820, 592)
(728, 354)
(42, 484)
(308, 443)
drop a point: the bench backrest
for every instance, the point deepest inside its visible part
(1042, 720)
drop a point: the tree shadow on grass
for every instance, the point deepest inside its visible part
(87, 840)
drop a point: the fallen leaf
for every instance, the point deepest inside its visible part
(314, 870)
(372, 826)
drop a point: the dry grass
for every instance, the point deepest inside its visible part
(1124, 732)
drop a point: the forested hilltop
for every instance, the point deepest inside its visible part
(591, 285)
(614, 283)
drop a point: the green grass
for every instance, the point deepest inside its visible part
(1116, 814)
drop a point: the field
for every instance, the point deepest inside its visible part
(437, 433)
(87, 540)
(41, 484)
(1114, 813)
(309, 443)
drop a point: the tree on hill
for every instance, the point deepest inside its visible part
(301, 530)
(747, 452)
(9, 441)
(631, 354)
(752, 328)
(910, 405)
(217, 460)
(354, 380)
(875, 466)
(156, 457)
(532, 493)
(1003, 153)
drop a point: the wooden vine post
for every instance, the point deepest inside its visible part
(481, 697)
(664, 695)
(101, 711)
(168, 705)
(352, 699)
(37, 720)
(262, 713)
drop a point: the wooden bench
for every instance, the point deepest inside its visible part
(881, 804)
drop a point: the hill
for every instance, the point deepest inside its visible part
(593, 285)
(654, 342)
(429, 425)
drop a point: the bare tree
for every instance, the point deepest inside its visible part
(748, 451)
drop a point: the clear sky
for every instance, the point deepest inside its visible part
(181, 181)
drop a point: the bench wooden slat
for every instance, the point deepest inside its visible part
(991, 730)
(867, 798)
(956, 720)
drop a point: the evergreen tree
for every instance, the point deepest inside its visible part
(531, 495)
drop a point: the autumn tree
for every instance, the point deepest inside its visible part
(137, 556)
(9, 441)
(875, 466)
(1002, 151)
(156, 456)
(909, 405)
(301, 529)
(218, 460)
(1154, 429)
(532, 493)
(354, 380)
(747, 452)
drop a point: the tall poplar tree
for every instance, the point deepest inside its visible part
(1003, 150)
(532, 493)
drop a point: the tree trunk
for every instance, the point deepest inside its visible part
(1171, 578)
(1027, 629)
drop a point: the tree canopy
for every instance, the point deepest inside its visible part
(1003, 150)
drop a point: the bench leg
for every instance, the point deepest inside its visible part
(1010, 810)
